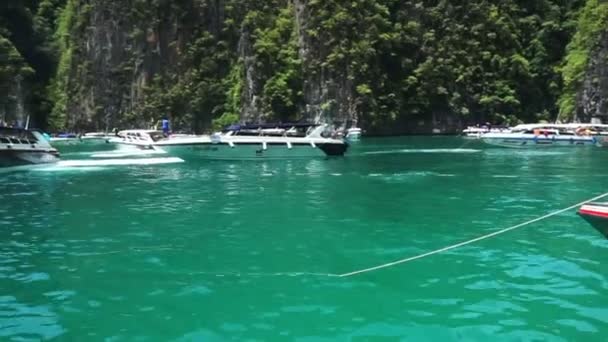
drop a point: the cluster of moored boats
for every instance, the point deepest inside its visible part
(529, 135)
(22, 146)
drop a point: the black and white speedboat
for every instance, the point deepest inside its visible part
(20, 146)
(241, 142)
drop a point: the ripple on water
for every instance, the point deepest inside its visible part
(424, 150)
(410, 176)
(114, 238)
(22, 321)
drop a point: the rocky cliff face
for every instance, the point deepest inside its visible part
(388, 66)
(328, 93)
(131, 62)
(592, 98)
(116, 52)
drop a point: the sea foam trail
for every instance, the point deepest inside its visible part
(90, 165)
(118, 162)
(124, 154)
(425, 150)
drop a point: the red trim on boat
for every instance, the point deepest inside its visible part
(593, 212)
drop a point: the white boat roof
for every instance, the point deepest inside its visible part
(557, 126)
(140, 131)
(577, 125)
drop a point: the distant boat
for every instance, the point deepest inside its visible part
(477, 132)
(241, 142)
(101, 136)
(354, 134)
(92, 137)
(540, 135)
(19, 146)
(597, 215)
(64, 137)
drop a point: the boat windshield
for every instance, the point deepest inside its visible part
(17, 134)
(156, 136)
(291, 130)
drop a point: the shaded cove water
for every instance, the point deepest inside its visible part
(234, 250)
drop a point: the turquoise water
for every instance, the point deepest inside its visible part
(233, 250)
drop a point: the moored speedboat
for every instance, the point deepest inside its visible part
(72, 138)
(241, 142)
(597, 215)
(305, 140)
(22, 146)
(538, 135)
(354, 134)
(64, 138)
(477, 132)
(95, 137)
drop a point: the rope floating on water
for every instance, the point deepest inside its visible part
(265, 275)
(468, 242)
(378, 267)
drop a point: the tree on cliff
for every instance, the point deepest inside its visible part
(390, 65)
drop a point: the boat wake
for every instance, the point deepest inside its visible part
(125, 154)
(424, 150)
(117, 162)
(405, 176)
(523, 152)
(92, 165)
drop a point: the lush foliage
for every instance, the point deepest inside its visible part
(27, 57)
(592, 21)
(391, 63)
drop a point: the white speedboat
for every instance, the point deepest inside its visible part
(241, 142)
(20, 146)
(353, 134)
(477, 132)
(72, 138)
(547, 135)
(95, 136)
(65, 138)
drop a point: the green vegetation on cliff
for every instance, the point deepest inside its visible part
(592, 22)
(391, 66)
(27, 57)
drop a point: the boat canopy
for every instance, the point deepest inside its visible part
(239, 127)
(8, 132)
(529, 127)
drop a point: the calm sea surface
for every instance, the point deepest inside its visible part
(241, 250)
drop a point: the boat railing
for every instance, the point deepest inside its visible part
(12, 140)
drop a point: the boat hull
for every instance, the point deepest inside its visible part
(253, 150)
(538, 141)
(602, 141)
(10, 158)
(353, 135)
(596, 214)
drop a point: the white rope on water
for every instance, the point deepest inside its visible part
(370, 269)
(468, 242)
(265, 275)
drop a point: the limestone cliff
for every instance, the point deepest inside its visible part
(592, 97)
(117, 51)
(388, 66)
